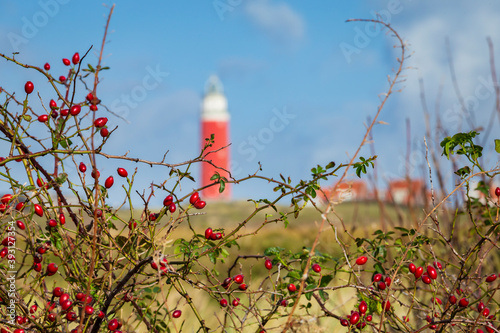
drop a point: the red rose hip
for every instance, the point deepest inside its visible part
(21, 225)
(491, 278)
(52, 269)
(168, 201)
(109, 182)
(418, 272)
(6, 198)
(361, 260)
(172, 208)
(238, 279)
(101, 122)
(113, 325)
(194, 198)
(38, 210)
(76, 58)
(104, 132)
(354, 318)
(316, 268)
(463, 302)
(432, 272)
(200, 204)
(208, 233)
(75, 110)
(122, 172)
(28, 87)
(363, 307)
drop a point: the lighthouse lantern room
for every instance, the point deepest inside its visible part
(215, 120)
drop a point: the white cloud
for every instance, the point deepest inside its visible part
(426, 33)
(425, 26)
(239, 67)
(278, 20)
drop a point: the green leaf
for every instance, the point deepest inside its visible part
(330, 165)
(61, 178)
(65, 142)
(324, 296)
(273, 251)
(222, 186)
(309, 295)
(294, 275)
(497, 145)
(213, 258)
(325, 280)
(378, 268)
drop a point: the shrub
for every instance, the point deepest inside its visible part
(72, 262)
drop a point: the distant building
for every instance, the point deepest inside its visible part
(474, 193)
(401, 192)
(215, 120)
(349, 191)
(405, 192)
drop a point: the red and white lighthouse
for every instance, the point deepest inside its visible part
(215, 120)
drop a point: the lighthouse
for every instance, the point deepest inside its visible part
(215, 121)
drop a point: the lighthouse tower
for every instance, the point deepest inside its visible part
(215, 120)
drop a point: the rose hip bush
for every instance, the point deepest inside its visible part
(71, 262)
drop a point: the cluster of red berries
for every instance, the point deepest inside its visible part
(238, 279)
(163, 266)
(380, 282)
(114, 325)
(193, 200)
(210, 234)
(429, 275)
(109, 182)
(67, 305)
(75, 60)
(358, 318)
(224, 302)
(226, 284)
(7, 198)
(169, 202)
(51, 268)
(99, 123)
(196, 201)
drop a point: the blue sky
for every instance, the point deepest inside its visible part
(273, 57)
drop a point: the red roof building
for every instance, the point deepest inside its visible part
(405, 192)
(349, 191)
